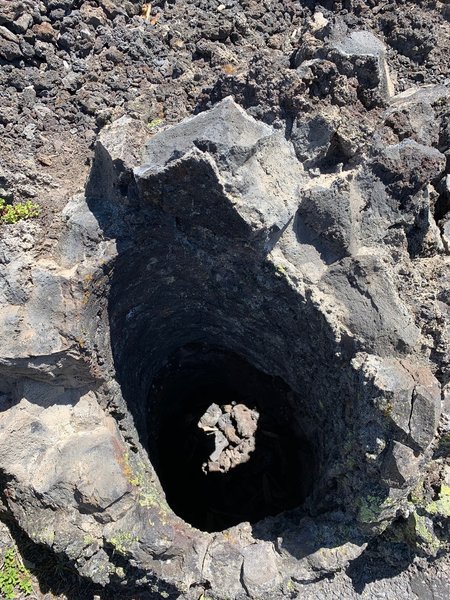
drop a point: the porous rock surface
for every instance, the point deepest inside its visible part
(212, 239)
(314, 243)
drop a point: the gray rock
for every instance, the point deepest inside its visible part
(225, 130)
(360, 43)
(358, 57)
(83, 232)
(409, 395)
(222, 567)
(371, 309)
(312, 138)
(220, 238)
(23, 23)
(9, 50)
(363, 54)
(220, 443)
(425, 410)
(406, 167)
(324, 219)
(446, 235)
(260, 569)
(411, 114)
(8, 35)
(243, 152)
(399, 465)
(210, 418)
(317, 547)
(117, 148)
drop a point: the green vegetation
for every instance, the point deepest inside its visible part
(280, 270)
(372, 509)
(154, 123)
(425, 522)
(12, 213)
(148, 495)
(290, 586)
(423, 534)
(122, 542)
(441, 506)
(14, 577)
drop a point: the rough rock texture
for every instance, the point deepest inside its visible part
(234, 427)
(308, 234)
(219, 249)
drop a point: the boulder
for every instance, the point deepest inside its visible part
(211, 248)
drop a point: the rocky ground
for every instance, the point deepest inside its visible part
(68, 69)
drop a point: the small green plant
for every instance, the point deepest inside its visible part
(122, 542)
(154, 123)
(290, 586)
(14, 577)
(441, 506)
(371, 508)
(280, 270)
(12, 213)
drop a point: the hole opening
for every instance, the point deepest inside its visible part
(225, 439)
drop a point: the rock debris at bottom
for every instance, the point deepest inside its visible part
(233, 427)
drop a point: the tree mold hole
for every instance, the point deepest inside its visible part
(224, 440)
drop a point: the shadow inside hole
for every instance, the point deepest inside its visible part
(279, 473)
(339, 153)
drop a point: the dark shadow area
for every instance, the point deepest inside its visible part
(279, 473)
(443, 447)
(386, 556)
(338, 153)
(333, 5)
(410, 43)
(198, 316)
(416, 234)
(305, 234)
(274, 236)
(442, 206)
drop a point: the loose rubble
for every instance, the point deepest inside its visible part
(234, 428)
